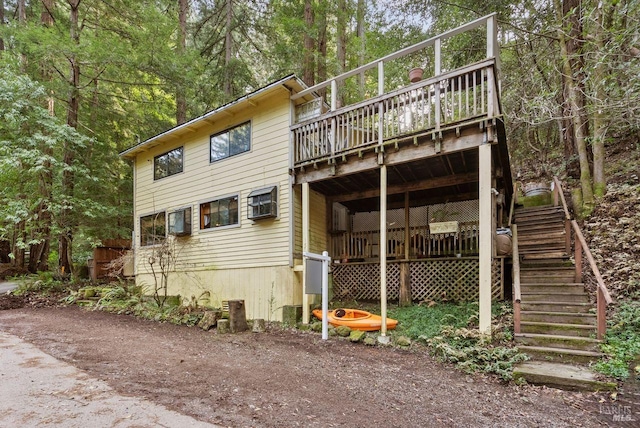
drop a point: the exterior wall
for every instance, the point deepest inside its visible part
(249, 261)
(265, 290)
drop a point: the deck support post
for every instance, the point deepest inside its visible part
(383, 248)
(486, 237)
(305, 248)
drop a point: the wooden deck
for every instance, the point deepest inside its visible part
(452, 101)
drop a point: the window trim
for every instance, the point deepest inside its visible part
(268, 190)
(214, 199)
(155, 159)
(227, 131)
(160, 241)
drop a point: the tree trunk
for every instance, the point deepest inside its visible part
(65, 244)
(1, 23)
(309, 45)
(568, 15)
(321, 20)
(181, 99)
(360, 14)
(228, 51)
(600, 124)
(341, 47)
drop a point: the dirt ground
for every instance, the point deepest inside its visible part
(287, 378)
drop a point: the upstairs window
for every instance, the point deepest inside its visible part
(167, 164)
(153, 229)
(221, 212)
(263, 203)
(230, 142)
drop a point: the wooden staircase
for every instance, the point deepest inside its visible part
(558, 321)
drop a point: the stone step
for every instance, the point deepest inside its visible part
(542, 353)
(572, 288)
(557, 341)
(561, 376)
(554, 296)
(547, 306)
(559, 317)
(561, 329)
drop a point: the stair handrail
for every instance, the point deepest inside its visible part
(603, 297)
(513, 203)
(557, 190)
(517, 294)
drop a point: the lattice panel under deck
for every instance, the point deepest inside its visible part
(437, 279)
(361, 281)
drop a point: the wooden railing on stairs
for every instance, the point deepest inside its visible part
(515, 253)
(603, 297)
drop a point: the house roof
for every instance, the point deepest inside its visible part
(291, 83)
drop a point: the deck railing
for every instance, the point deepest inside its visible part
(603, 298)
(447, 98)
(429, 106)
(364, 245)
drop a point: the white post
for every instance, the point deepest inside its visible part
(437, 72)
(305, 248)
(486, 237)
(383, 248)
(325, 295)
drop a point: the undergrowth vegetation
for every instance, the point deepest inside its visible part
(451, 332)
(622, 342)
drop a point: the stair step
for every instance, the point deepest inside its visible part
(555, 296)
(543, 305)
(538, 208)
(546, 255)
(562, 329)
(559, 354)
(547, 279)
(550, 287)
(559, 267)
(539, 217)
(562, 376)
(560, 263)
(558, 317)
(557, 341)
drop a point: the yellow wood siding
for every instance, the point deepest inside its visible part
(248, 261)
(254, 243)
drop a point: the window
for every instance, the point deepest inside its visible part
(231, 142)
(263, 203)
(152, 229)
(167, 164)
(180, 222)
(221, 212)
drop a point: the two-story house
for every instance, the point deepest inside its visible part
(404, 187)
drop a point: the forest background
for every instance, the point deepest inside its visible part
(82, 80)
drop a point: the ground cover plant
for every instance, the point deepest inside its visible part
(451, 332)
(622, 343)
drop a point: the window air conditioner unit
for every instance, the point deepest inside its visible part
(263, 203)
(180, 222)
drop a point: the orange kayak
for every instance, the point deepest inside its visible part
(355, 319)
